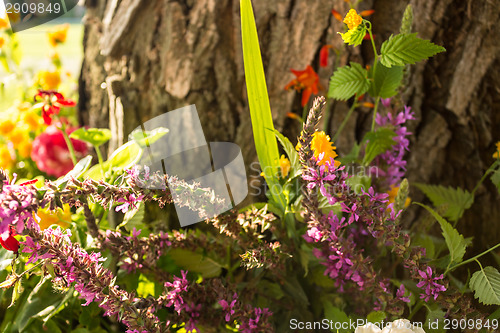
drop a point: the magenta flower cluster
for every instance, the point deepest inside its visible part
(391, 164)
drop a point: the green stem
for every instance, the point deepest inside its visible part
(68, 142)
(472, 259)
(99, 157)
(304, 113)
(375, 109)
(346, 119)
(490, 169)
(375, 53)
(415, 309)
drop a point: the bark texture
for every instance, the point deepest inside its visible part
(147, 57)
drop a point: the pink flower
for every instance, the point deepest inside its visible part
(51, 153)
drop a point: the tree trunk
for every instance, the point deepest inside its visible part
(147, 57)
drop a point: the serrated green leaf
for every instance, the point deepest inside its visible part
(486, 285)
(354, 36)
(293, 155)
(348, 81)
(258, 102)
(94, 136)
(406, 49)
(454, 240)
(378, 143)
(386, 81)
(495, 178)
(376, 317)
(456, 200)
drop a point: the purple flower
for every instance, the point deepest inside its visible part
(130, 200)
(174, 295)
(318, 178)
(228, 308)
(400, 294)
(429, 284)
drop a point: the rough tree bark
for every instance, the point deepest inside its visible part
(147, 57)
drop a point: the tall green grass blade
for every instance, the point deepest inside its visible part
(258, 100)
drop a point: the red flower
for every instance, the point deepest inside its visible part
(307, 81)
(51, 153)
(8, 241)
(323, 55)
(51, 104)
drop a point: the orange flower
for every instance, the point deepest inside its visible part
(393, 192)
(323, 148)
(4, 23)
(366, 13)
(497, 153)
(2, 41)
(337, 15)
(49, 80)
(58, 35)
(307, 81)
(368, 105)
(323, 55)
(352, 19)
(61, 217)
(295, 116)
(7, 161)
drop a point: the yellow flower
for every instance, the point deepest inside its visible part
(497, 153)
(393, 192)
(6, 159)
(49, 80)
(4, 22)
(32, 120)
(18, 136)
(352, 19)
(7, 126)
(24, 149)
(58, 35)
(2, 41)
(284, 166)
(61, 217)
(321, 144)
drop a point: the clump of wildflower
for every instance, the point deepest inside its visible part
(352, 19)
(429, 284)
(58, 35)
(284, 166)
(497, 153)
(356, 28)
(17, 205)
(391, 164)
(306, 81)
(51, 103)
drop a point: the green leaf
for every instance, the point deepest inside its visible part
(77, 171)
(195, 262)
(145, 287)
(336, 315)
(360, 182)
(133, 218)
(456, 200)
(352, 156)
(495, 178)
(376, 317)
(386, 81)
(146, 138)
(122, 158)
(94, 136)
(293, 155)
(435, 321)
(348, 81)
(354, 36)
(406, 49)
(486, 285)
(454, 240)
(258, 101)
(378, 142)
